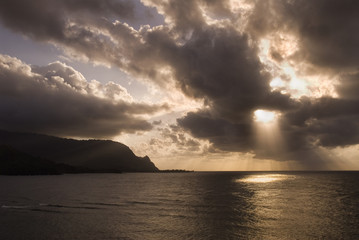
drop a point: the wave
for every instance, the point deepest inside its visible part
(143, 203)
(103, 204)
(15, 207)
(44, 207)
(66, 206)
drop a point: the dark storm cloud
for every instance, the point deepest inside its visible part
(225, 135)
(220, 65)
(47, 19)
(74, 25)
(327, 29)
(56, 99)
(217, 64)
(327, 122)
(327, 37)
(349, 86)
(114, 8)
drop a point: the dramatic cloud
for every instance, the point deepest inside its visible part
(326, 39)
(85, 29)
(295, 58)
(326, 29)
(48, 19)
(324, 42)
(56, 99)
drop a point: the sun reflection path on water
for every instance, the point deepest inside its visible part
(265, 178)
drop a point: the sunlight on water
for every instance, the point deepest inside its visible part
(198, 205)
(264, 178)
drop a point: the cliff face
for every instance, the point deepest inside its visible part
(97, 155)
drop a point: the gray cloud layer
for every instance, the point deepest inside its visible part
(56, 99)
(47, 19)
(218, 62)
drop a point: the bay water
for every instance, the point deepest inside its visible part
(193, 205)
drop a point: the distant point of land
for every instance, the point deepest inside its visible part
(175, 171)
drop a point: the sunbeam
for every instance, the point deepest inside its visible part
(267, 136)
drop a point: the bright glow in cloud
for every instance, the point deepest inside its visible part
(277, 83)
(264, 116)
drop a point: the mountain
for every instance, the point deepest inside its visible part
(14, 162)
(94, 155)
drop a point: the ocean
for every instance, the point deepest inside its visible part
(194, 205)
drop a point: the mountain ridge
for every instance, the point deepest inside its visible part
(97, 155)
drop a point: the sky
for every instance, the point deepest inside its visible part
(206, 85)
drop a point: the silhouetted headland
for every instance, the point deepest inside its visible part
(60, 155)
(14, 162)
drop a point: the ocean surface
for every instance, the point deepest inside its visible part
(198, 205)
